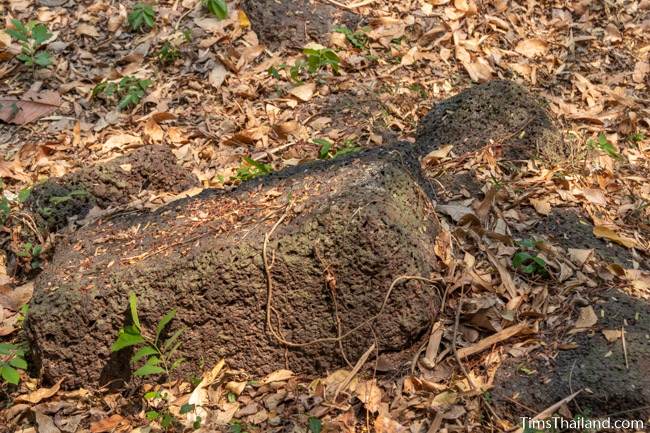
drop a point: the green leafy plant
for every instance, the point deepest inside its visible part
(218, 8)
(358, 39)
(129, 91)
(315, 424)
(250, 169)
(327, 150)
(158, 355)
(12, 359)
(604, 145)
(636, 137)
(142, 15)
(168, 53)
(31, 253)
(158, 410)
(32, 37)
(318, 59)
(527, 261)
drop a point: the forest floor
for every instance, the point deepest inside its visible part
(232, 100)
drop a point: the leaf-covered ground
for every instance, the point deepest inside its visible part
(220, 99)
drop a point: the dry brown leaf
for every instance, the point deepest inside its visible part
(14, 298)
(32, 106)
(304, 92)
(641, 70)
(88, 30)
(384, 424)
(612, 334)
(542, 206)
(109, 424)
(217, 75)
(587, 319)
(277, 376)
(369, 394)
(40, 394)
(609, 234)
(532, 47)
(580, 256)
(45, 423)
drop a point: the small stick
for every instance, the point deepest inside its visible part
(551, 409)
(354, 371)
(627, 365)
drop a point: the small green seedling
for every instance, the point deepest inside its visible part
(604, 145)
(155, 399)
(129, 91)
(527, 261)
(250, 169)
(315, 424)
(32, 254)
(358, 39)
(32, 37)
(12, 359)
(158, 355)
(318, 59)
(636, 137)
(168, 53)
(218, 8)
(142, 15)
(327, 151)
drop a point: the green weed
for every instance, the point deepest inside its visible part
(527, 261)
(218, 8)
(143, 15)
(12, 359)
(32, 37)
(358, 39)
(128, 91)
(158, 355)
(250, 169)
(604, 145)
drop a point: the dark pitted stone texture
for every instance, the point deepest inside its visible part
(499, 111)
(295, 22)
(366, 218)
(112, 183)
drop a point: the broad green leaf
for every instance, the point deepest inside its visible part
(23, 195)
(325, 147)
(186, 408)
(153, 360)
(315, 425)
(147, 370)
(163, 322)
(218, 8)
(7, 348)
(133, 305)
(9, 374)
(126, 339)
(43, 58)
(40, 34)
(142, 352)
(152, 415)
(18, 363)
(151, 395)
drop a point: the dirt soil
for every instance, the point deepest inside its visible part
(293, 23)
(364, 221)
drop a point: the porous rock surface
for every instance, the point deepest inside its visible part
(295, 22)
(363, 220)
(499, 112)
(353, 226)
(115, 182)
